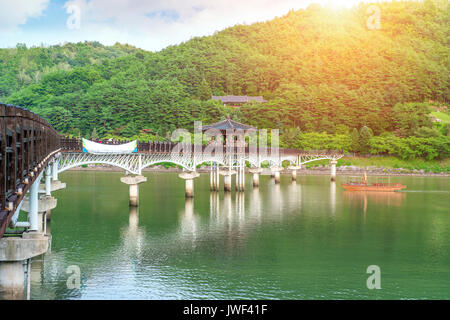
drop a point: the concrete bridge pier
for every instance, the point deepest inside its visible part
(189, 178)
(133, 182)
(333, 169)
(212, 184)
(12, 280)
(217, 178)
(276, 174)
(294, 172)
(15, 261)
(45, 204)
(240, 178)
(214, 177)
(227, 179)
(255, 172)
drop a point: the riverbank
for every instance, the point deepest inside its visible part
(342, 170)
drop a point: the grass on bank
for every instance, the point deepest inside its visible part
(436, 166)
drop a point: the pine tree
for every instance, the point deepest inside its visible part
(94, 135)
(365, 135)
(355, 140)
(204, 91)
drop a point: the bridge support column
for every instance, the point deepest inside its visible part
(227, 179)
(240, 178)
(11, 280)
(212, 185)
(189, 178)
(294, 172)
(45, 205)
(133, 182)
(55, 171)
(14, 252)
(33, 207)
(255, 172)
(48, 181)
(276, 174)
(227, 183)
(333, 169)
(214, 177)
(217, 180)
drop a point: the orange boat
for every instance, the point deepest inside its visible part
(365, 186)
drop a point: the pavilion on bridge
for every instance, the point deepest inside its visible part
(226, 126)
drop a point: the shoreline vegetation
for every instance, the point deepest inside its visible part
(375, 166)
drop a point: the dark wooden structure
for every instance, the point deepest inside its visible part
(26, 142)
(237, 101)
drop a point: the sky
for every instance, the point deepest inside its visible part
(147, 24)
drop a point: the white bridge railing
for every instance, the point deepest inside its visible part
(135, 162)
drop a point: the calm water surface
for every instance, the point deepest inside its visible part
(304, 240)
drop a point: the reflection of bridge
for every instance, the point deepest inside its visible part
(30, 149)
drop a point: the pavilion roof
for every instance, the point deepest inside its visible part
(228, 124)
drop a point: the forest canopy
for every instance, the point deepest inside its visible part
(330, 81)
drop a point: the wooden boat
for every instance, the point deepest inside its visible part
(365, 186)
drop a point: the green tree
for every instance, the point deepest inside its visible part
(94, 135)
(355, 140)
(365, 135)
(204, 91)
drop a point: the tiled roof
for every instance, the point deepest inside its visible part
(238, 99)
(228, 124)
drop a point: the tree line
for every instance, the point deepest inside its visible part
(328, 79)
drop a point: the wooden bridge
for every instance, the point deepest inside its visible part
(30, 149)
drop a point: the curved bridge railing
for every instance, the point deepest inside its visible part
(188, 156)
(27, 144)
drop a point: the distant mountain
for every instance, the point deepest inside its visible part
(22, 66)
(321, 70)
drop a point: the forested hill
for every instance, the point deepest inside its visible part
(322, 70)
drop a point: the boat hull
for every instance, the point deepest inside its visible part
(384, 188)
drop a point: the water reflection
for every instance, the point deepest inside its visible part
(375, 197)
(189, 222)
(333, 198)
(223, 245)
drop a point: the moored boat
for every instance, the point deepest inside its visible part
(365, 186)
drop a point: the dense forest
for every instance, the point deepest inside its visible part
(330, 81)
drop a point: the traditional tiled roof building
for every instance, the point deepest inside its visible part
(236, 101)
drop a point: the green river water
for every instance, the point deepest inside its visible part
(303, 240)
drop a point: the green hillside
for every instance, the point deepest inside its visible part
(330, 82)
